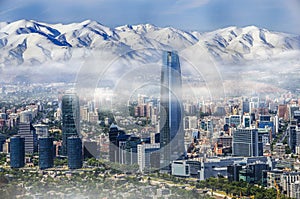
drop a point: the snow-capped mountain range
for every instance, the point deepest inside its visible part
(29, 43)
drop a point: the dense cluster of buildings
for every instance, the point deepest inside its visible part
(255, 139)
(34, 138)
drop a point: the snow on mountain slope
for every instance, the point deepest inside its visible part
(176, 39)
(34, 43)
(136, 41)
(234, 44)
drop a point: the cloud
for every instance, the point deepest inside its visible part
(184, 5)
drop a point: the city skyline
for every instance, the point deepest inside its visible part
(219, 141)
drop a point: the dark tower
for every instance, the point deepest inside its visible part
(74, 152)
(171, 113)
(45, 152)
(70, 118)
(17, 152)
(116, 135)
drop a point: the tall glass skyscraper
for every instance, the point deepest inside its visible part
(74, 152)
(45, 152)
(17, 152)
(171, 111)
(70, 118)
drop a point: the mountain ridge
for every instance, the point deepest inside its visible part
(28, 42)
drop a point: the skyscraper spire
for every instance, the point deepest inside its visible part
(171, 112)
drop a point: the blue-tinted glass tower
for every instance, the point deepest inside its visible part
(45, 152)
(293, 137)
(70, 118)
(17, 152)
(2, 141)
(74, 152)
(171, 112)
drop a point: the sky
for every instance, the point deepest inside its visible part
(199, 15)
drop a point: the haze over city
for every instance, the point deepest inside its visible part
(150, 99)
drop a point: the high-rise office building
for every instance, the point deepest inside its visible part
(292, 110)
(171, 111)
(113, 142)
(74, 152)
(27, 131)
(132, 149)
(70, 118)
(17, 152)
(297, 116)
(122, 147)
(265, 121)
(245, 107)
(294, 137)
(46, 152)
(122, 141)
(2, 141)
(245, 142)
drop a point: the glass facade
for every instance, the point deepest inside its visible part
(45, 152)
(292, 140)
(245, 142)
(70, 118)
(27, 131)
(2, 141)
(17, 152)
(74, 152)
(171, 113)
